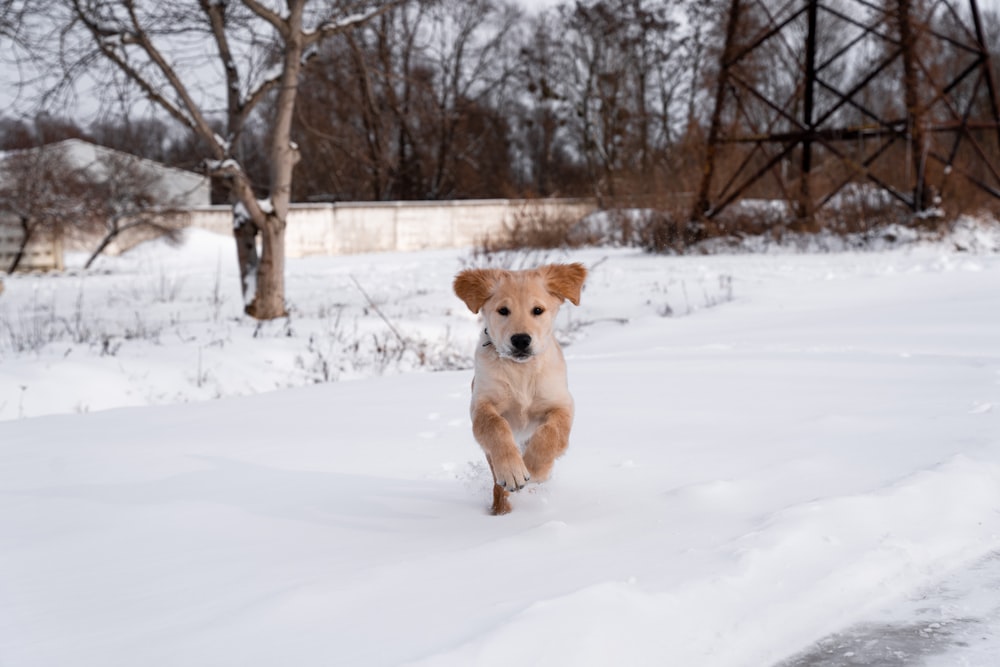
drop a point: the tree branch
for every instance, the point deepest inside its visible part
(216, 12)
(332, 27)
(280, 24)
(187, 112)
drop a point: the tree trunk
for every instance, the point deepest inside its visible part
(269, 220)
(269, 302)
(112, 231)
(100, 248)
(262, 276)
(26, 228)
(245, 232)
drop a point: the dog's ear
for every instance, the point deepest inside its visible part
(565, 280)
(475, 286)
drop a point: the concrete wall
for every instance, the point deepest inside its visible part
(343, 228)
(356, 227)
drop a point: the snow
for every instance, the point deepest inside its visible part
(343, 22)
(941, 625)
(803, 450)
(222, 143)
(228, 165)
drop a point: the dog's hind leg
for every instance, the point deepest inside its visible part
(548, 443)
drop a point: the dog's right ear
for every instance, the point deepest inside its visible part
(475, 286)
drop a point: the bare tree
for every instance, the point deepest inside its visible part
(125, 195)
(43, 128)
(193, 58)
(471, 69)
(608, 53)
(43, 193)
(10, 18)
(546, 155)
(416, 100)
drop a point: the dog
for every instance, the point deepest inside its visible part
(521, 407)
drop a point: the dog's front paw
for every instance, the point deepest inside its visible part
(539, 467)
(511, 473)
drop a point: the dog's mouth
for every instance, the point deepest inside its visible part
(520, 356)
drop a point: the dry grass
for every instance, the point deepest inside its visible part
(532, 227)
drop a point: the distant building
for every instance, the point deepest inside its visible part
(175, 188)
(179, 187)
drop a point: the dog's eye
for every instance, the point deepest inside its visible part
(505, 311)
(537, 310)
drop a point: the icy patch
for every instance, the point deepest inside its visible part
(954, 622)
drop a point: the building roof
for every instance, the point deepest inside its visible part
(179, 187)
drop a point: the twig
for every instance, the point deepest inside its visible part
(378, 311)
(598, 262)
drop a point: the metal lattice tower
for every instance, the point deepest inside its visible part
(813, 95)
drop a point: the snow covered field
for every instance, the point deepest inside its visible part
(770, 449)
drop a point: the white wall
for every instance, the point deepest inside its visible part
(356, 227)
(346, 228)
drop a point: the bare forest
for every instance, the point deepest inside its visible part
(457, 99)
(680, 107)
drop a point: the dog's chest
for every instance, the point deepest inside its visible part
(528, 399)
(522, 406)
(523, 393)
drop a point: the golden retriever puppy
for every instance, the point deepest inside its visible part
(521, 406)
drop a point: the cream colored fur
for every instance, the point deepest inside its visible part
(521, 407)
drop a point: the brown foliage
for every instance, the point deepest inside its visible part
(531, 227)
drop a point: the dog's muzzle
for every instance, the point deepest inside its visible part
(520, 345)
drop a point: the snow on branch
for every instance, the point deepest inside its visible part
(112, 35)
(309, 53)
(228, 167)
(272, 79)
(334, 26)
(345, 22)
(223, 143)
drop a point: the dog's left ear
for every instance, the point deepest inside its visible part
(565, 280)
(475, 286)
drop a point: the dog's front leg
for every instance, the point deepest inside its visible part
(494, 435)
(548, 443)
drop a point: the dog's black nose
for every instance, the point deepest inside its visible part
(520, 342)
